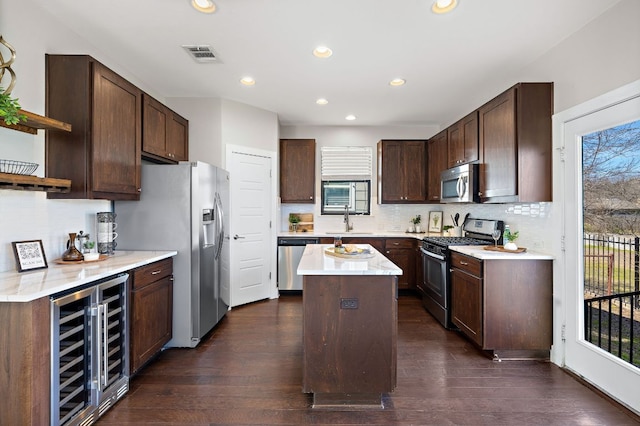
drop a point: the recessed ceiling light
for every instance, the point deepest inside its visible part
(350, 117)
(247, 81)
(322, 101)
(204, 6)
(397, 82)
(444, 6)
(322, 52)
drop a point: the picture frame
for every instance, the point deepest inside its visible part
(29, 255)
(435, 221)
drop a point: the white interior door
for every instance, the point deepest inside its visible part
(606, 371)
(251, 218)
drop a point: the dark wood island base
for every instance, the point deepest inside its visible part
(350, 325)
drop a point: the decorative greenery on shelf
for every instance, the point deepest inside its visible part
(416, 220)
(294, 218)
(512, 236)
(10, 109)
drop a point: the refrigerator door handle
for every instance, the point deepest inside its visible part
(220, 225)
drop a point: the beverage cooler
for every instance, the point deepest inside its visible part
(89, 351)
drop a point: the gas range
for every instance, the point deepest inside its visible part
(477, 233)
(435, 285)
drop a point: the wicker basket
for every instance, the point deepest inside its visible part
(17, 167)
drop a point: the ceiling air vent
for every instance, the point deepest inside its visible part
(201, 53)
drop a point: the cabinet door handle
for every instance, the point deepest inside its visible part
(388, 252)
(396, 244)
(464, 263)
(156, 272)
(311, 197)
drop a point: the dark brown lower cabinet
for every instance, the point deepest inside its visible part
(151, 311)
(401, 252)
(504, 306)
(25, 362)
(350, 328)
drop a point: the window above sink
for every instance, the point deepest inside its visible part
(353, 193)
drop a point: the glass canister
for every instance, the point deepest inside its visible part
(107, 225)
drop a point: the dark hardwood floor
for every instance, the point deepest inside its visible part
(248, 371)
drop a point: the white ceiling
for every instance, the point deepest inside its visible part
(452, 63)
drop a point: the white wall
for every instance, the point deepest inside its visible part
(205, 127)
(602, 56)
(26, 215)
(248, 126)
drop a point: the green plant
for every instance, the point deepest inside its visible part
(416, 220)
(89, 245)
(294, 218)
(447, 227)
(10, 109)
(512, 236)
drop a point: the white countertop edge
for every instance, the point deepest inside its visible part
(315, 262)
(31, 285)
(480, 253)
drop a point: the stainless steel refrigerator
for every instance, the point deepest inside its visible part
(183, 207)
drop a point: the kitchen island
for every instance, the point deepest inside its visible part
(349, 327)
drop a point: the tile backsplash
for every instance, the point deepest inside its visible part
(531, 219)
(31, 216)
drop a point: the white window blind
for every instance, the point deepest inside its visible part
(346, 162)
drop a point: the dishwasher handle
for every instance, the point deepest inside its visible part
(297, 241)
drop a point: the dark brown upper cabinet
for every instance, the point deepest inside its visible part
(463, 141)
(437, 162)
(402, 171)
(102, 154)
(515, 145)
(297, 170)
(165, 134)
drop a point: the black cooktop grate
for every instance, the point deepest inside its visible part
(456, 241)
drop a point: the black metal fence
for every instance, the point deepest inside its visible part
(612, 294)
(612, 266)
(612, 327)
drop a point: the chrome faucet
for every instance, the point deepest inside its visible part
(347, 226)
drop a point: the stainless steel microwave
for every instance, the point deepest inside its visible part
(460, 184)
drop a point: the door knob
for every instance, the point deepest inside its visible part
(236, 237)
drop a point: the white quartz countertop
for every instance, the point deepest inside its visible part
(314, 261)
(480, 253)
(32, 285)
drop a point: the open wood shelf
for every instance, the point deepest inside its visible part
(33, 183)
(35, 122)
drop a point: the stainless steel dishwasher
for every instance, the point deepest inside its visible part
(290, 251)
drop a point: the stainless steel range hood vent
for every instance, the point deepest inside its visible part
(201, 53)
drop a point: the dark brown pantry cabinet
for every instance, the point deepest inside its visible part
(101, 155)
(504, 306)
(515, 145)
(437, 156)
(297, 170)
(165, 134)
(402, 171)
(151, 311)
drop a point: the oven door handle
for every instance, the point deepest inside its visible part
(435, 256)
